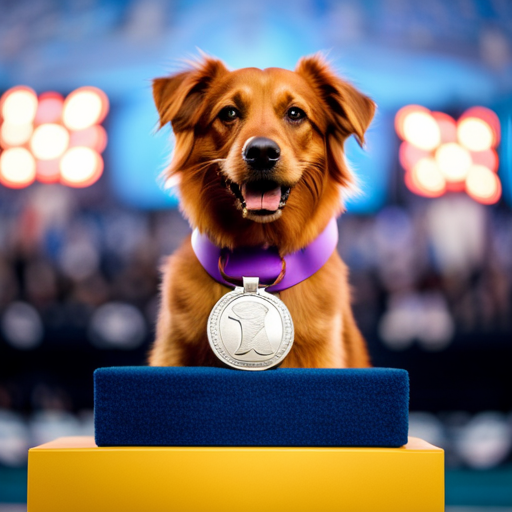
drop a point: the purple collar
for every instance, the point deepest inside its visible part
(266, 263)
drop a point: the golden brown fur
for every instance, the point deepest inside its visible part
(208, 155)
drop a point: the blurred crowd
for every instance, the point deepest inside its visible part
(431, 271)
(67, 264)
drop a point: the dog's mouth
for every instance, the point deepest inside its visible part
(261, 200)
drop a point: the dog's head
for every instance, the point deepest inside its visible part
(259, 153)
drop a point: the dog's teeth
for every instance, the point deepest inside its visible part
(284, 197)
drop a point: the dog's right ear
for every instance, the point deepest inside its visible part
(349, 110)
(179, 98)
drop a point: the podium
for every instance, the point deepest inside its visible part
(72, 474)
(219, 440)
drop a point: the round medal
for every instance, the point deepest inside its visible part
(249, 328)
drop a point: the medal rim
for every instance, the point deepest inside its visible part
(282, 311)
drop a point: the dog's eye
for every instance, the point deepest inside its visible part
(229, 114)
(295, 114)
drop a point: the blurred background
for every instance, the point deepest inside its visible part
(85, 221)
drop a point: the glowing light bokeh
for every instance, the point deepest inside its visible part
(14, 134)
(403, 113)
(483, 185)
(453, 160)
(421, 130)
(458, 156)
(50, 138)
(428, 178)
(447, 125)
(475, 134)
(80, 167)
(48, 171)
(488, 116)
(84, 107)
(410, 155)
(488, 158)
(17, 168)
(49, 141)
(50, 107)
(94, 137)
(19, 105)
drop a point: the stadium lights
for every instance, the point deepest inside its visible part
(17, 167)
(50, 138)
(440, 154)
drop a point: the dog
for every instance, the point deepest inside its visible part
(259, 157)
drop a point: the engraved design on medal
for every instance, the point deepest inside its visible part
(254, 334)
(250, 329)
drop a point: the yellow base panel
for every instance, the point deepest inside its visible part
(72, 474)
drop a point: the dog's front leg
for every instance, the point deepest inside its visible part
(188, 294)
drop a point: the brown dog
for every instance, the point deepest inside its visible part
(260, 157)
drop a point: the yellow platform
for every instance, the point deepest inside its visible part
(72, 474)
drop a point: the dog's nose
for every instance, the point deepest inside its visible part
(261, 153)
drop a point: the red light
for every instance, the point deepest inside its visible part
(419, 128)
(454, 161)
(488, 158)
(80, 167)
(17, 168)
(488, 116)
(402, 114)
(49, 141)
(62, 135)
(18, 105)
(483, 185)
(410, 155)
(440, 154)
(475, 134)
(447, 125)
(94, 137)
(85, 107)
(50, 107)
(427, 179)
(412, 184)
(48, 171)
(14, 134)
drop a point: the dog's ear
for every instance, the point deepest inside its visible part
(179, 101)
(178, 98)
(349, 111)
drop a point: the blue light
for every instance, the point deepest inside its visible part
(506, 156)
(138, 156)
(372, 165)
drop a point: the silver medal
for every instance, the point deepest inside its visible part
(249, 328)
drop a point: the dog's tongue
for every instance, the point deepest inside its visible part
(261, 200)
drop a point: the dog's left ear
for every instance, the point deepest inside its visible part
(349, 111)
(178, 98)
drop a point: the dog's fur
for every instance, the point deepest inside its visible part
(208, 159)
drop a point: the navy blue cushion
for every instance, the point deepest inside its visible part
(198, 406)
